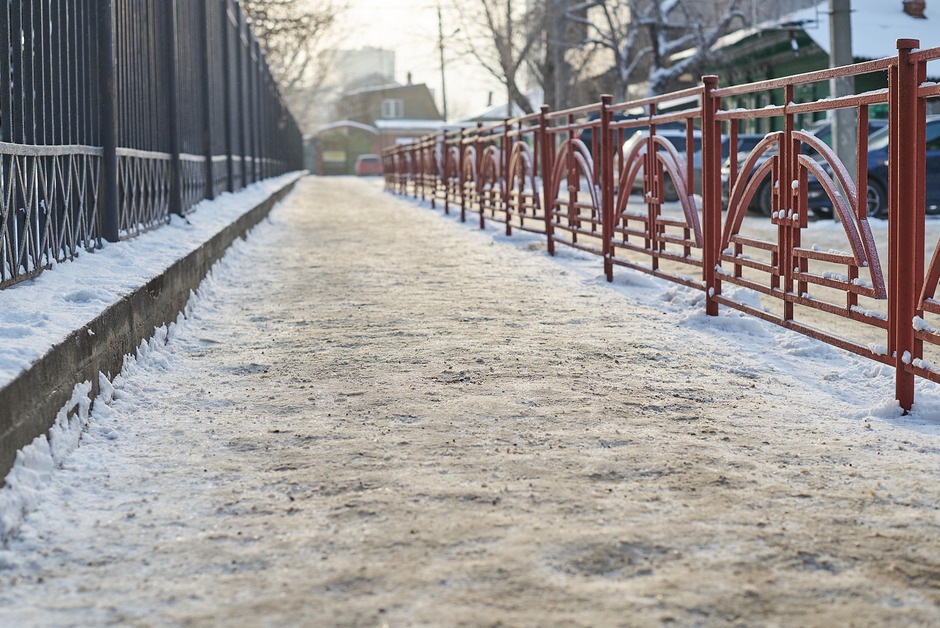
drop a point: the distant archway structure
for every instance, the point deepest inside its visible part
(339, 144)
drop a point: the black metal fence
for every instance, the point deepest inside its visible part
(115, 114)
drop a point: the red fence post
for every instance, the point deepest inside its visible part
(547, 164)
(573, 180)
(461, 165)
(421, 167)
(711, 193)
(417, 191)
(787, 166)
(903, 221)
(607, 184)
(478, 183)
(504, 173)
(403, 180)
(445, 177)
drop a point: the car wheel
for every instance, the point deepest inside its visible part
(877, 200)
(763, 202)
(669, 189)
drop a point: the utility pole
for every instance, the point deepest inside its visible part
(557, 46)
(509, 80)
(440, 45)
(844, 134)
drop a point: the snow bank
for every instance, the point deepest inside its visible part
(43, 312)
(36, 462)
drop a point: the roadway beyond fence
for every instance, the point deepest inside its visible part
(573, 175)
(376, 415)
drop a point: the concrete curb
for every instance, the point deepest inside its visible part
(31, 401)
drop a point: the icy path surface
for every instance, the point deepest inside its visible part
(375, 415)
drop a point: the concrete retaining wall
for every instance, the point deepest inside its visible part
(31, 402)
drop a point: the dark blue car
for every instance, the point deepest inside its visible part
(877, 193)
(761, 202)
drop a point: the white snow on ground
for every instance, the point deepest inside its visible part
(865, 385)
(827, 375)
(41, 313)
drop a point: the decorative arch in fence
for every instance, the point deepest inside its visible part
(572, 176)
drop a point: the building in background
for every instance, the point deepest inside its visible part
(352, 65)
(799, 42)
(384, 99)
(370, 111)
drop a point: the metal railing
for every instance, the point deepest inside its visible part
(115, 114)
(606, 180)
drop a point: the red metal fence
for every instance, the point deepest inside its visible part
(604, 180)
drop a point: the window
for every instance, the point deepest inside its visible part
(393, 108)
(933, 136)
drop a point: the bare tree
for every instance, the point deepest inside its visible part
(560, 64)
(295, 35)
(680, 25)
(501, 38)
(646, 34)
(609, 26)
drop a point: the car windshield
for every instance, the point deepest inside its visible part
(747, 144)
(678, 141)
(879, 139)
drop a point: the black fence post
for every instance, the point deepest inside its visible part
(6, 91)
(108, 196)
(241, 72)
(204, 78)
(172, 99)
(227, 94)
(27, 95)
(255, 119)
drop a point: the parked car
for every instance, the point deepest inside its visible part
(678, 138)
(587, 135)
(368, 165)
(746, 143)
(823, 129)
(762, 202)
(877, 193)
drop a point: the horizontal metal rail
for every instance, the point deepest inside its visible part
(24, 150)
(661, 185)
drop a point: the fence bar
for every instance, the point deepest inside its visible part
(6, 93)
(607, 184)
(110, 209)
(227, 95)
(172, 104)
(903, 271)
(711, 192)
(205, 76)
(547, 182)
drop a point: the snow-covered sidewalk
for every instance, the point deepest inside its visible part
(376, 415)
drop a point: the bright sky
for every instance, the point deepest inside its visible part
(409, 27)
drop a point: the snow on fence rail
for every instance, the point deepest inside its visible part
(663, 191)
(118, 113)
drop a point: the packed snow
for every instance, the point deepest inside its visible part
(314, 438)
(43, 312)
